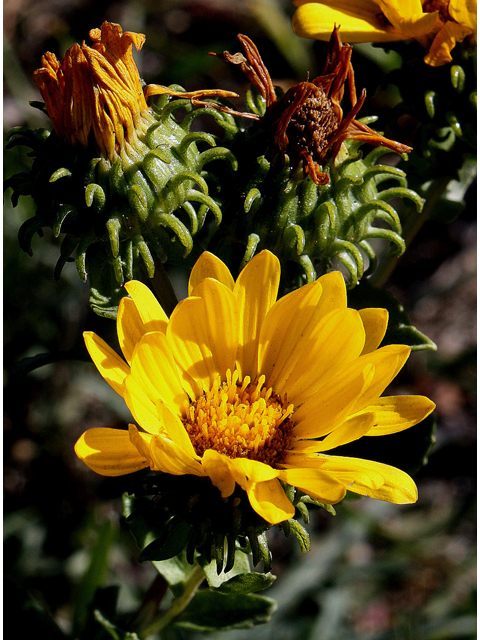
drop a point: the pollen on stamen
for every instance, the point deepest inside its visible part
(241, 418)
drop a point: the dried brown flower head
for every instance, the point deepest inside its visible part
(307, 123)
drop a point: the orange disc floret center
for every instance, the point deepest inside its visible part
(241, 420)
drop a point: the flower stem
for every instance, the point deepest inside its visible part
(164, 618)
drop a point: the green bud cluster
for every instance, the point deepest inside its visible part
(119, 218)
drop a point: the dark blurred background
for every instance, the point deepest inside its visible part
(376, 571)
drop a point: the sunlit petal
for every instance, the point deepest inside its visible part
(110, 452)
(111, 366)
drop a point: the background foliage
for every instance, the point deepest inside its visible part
(375, 571)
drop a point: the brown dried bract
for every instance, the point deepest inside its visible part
(308, 122)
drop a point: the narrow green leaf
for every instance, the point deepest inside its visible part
(175, 542)
(246, 583)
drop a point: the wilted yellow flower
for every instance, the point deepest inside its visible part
(95, 94)
(437, 24)
(247, 390)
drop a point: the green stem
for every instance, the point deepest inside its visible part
(410, 229)
(164, 618)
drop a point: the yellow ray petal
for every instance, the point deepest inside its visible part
(396, 413)
(255, 292)
(246, 470)
(218, 470)
(362, 477)
(315, 20)
(323, 411)
(464, 12)
(444, 42)
(407, 17)
(220, 329)
(269, 500)
(154, 368)
(187, 335)
(335, 341)
(169, 457)
(142, 407)
(316, 483)
(375, 322)
(111, 366)
(352, 429)
(284, 323)
(209, 266)
(387, 361)
(151, 313)
(109, 452)
(174, 428)
(130, 327)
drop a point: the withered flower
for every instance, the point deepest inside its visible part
(308, 123)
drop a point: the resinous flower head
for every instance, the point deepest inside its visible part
(125, 181)
(307, 194)
(251, 393)
(437, 24)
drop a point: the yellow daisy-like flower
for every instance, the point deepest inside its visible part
(249, 390)
(437, 24)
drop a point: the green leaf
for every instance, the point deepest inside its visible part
(164, 548)
(175, 570)
(213, 611)
(399, 330)
(94, 575)
(246, 583)
(300, 533)
(241, 566)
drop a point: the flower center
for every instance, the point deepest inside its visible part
(241, 420)
(438, 5)
(312, 123)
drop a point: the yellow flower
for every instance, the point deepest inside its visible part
(247, 390)
(437, 24)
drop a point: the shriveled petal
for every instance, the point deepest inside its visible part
(325, 410)
(169, 457)
(269, 500)
(359, 21)
(141, 405)
(316, 483)
(352, 429)
(154, 367)
(130, 327)
(153, 316)
(111, 366)
(209, 266)
(444, 42)
(283, 324)
(255, 292)
(221, 320)
(374, 479)
(218, 470)
(109, 452)
(335, 341)
(397, 413)
(375, 322)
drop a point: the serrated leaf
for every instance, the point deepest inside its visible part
(213, 611)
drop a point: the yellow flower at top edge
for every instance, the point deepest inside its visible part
(246, 389)
(437, 24)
